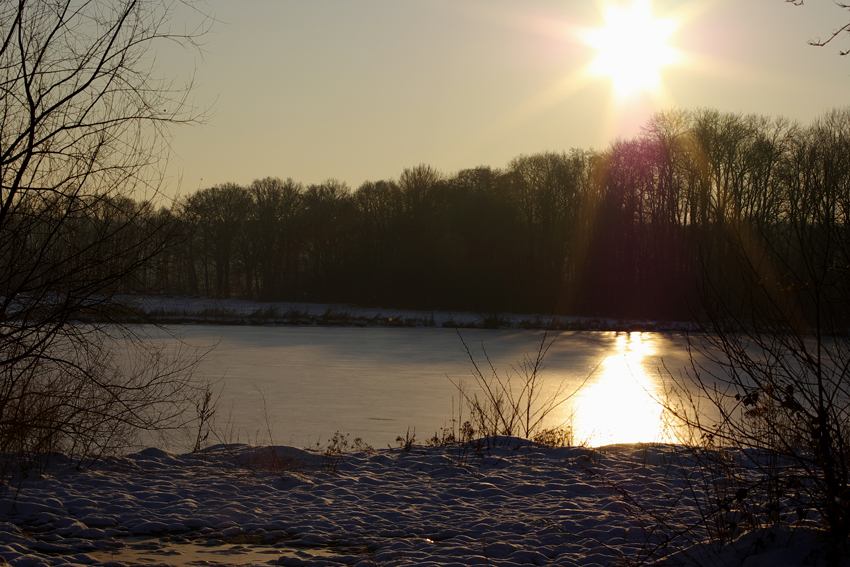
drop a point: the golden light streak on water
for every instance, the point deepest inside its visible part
(622, 404)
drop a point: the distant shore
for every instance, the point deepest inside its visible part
(177, 310)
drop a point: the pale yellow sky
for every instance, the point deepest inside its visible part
(360, 89)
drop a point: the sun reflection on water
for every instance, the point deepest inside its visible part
(621, 405)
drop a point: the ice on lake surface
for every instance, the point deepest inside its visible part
(376, 383)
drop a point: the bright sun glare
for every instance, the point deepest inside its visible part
(632, 47)
(621, 405)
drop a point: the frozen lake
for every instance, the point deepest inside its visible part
(376, 382)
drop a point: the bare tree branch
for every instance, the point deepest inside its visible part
(84, 128)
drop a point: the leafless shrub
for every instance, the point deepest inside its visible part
(93, 396)
(206, 407)
(407, 442)
(555, 437)
(510, 404)
(334, 451)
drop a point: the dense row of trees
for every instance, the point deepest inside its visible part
(632, 231)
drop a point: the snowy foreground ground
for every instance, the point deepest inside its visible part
(508, 503)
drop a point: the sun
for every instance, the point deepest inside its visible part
(632, 47)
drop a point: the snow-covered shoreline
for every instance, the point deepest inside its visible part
(506, 502)
(202, 310)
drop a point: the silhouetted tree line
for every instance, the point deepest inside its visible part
(633, 231)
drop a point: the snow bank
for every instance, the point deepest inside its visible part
(505, 501)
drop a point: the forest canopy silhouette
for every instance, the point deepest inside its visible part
(634, 231)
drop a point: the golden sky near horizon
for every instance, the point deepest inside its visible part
(360, 89)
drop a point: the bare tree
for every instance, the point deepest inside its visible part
(834, 33)
(84, 123)
(273, 229)
(219, 214)
(769, 397)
